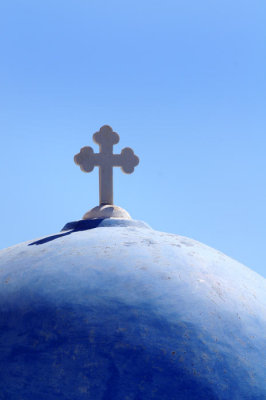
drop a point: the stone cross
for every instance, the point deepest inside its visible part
(106, 160)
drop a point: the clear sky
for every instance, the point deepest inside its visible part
(182, 81)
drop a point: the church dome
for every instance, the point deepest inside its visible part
(112, 309)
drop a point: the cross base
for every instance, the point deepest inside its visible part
(107, 211)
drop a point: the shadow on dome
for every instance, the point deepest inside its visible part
(49, 238)
(86, 224)
(70, 227)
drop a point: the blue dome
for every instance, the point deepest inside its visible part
(112, 309)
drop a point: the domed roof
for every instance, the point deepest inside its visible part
(109, 309)
(112, 309)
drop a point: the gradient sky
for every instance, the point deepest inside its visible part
(182, 82)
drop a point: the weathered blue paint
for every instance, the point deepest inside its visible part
(120, 311)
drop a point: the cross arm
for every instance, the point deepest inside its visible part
(127, 160)
(87, 159)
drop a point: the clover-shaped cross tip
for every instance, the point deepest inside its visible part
(106, 136)
(128, 160)
(85, 159)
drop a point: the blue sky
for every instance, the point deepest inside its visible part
(182, 82)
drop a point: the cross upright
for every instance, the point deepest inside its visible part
(106, 160)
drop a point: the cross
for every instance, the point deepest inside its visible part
(106, 160)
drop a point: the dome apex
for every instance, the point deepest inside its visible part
(107, 211)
